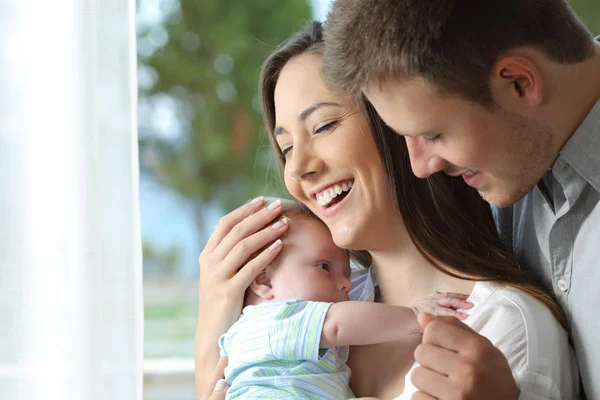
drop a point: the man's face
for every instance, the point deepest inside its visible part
(501, 154)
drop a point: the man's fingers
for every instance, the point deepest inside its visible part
(440, 360)
(449, 333)
(431, 383)
(421, 396)
(424, 319)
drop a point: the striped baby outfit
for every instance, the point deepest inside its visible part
(274, 353)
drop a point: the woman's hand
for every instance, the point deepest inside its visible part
(236, 239)
(217, 388)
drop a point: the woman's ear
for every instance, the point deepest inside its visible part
(261, 286)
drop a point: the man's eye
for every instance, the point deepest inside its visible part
(323, 266)
(431, 139)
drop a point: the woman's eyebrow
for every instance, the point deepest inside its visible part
(306, 113)
(309, 110)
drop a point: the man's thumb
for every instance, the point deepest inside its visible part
(424, 319)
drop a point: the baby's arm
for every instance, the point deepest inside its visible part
(361, 322)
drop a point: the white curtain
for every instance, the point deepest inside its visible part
(71, 307)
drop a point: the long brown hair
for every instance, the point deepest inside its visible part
(449, 223)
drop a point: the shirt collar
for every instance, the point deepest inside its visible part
(582, 149)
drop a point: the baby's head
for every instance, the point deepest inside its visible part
(309, 267)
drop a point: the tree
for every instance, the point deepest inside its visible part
(209, 68)
(589, 12)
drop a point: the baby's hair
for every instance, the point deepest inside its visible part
(292, 209)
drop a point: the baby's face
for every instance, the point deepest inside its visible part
(310, 266)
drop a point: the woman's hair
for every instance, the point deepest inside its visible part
(447, 220)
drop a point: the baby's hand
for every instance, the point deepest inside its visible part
(439, 303)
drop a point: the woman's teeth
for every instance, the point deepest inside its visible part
(470, 173)
(327, 196)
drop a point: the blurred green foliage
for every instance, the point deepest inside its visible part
(589, 12)
(210, 67)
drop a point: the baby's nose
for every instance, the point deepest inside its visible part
(344, 285)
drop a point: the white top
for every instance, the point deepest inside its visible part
(535, 345)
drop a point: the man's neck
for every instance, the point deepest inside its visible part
(577, 89)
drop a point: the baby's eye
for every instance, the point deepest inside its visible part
(323, 266)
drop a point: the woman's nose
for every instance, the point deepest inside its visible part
(304, 163)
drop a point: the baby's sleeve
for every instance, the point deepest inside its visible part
(222, 350)
(295, 332)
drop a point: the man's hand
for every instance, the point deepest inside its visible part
(458, 363)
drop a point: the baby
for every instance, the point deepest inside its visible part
(292, 338)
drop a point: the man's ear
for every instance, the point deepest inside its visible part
(261, 285)
(516, 82)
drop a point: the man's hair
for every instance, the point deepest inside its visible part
(451, 43)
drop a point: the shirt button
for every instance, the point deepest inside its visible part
(562, 285)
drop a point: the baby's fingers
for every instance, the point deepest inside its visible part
(451, 312)
(454, 302)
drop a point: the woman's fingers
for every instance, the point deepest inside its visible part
(247, 248)
(246, 228)
(255, 266)
(217, 381)
(220, 392)
(226, 224)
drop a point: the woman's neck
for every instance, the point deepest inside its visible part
(406, 277)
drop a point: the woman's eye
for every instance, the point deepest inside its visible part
(323, 266)
(284, 152)
(327, 126)
(432, 138)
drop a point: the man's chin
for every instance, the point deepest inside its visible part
(502, 199)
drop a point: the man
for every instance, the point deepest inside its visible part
(504, 93)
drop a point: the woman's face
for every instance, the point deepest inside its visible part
(331, 160)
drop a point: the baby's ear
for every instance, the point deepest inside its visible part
(261, 286)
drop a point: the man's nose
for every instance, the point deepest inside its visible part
(422, 161)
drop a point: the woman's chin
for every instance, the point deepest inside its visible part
(343, 236)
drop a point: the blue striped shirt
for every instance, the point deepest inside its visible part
(274, 353)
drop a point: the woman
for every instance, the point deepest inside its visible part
(418, 235)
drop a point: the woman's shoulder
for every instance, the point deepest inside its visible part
(517, 306)
(506, 310)
(524, 329)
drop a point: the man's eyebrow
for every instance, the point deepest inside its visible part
(306, 113)
(413, 134)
